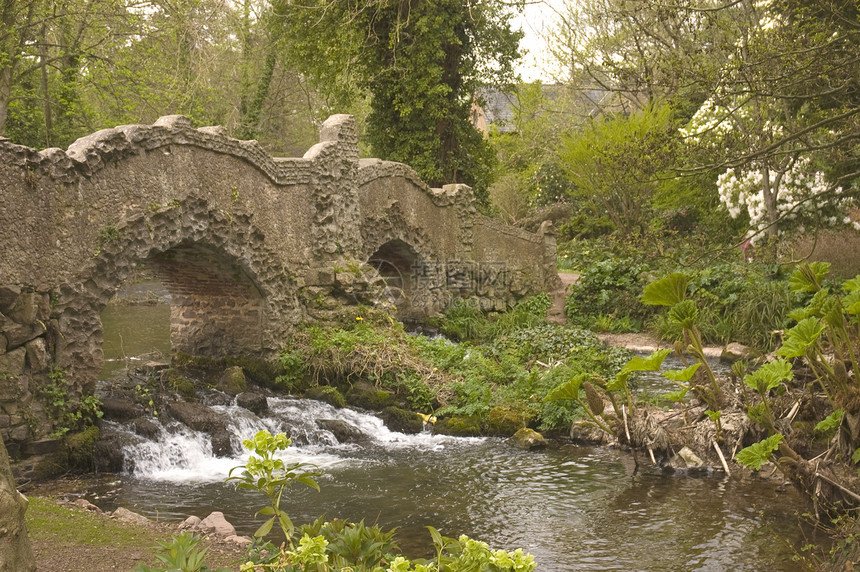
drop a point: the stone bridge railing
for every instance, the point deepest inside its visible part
(248, 245)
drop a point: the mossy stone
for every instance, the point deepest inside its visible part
(79, 448)
(369, 399)
(174, 379)
(459, 426)
(402, 421)
(504, 421)
(232, 381)
(326, 394)
(528, 439)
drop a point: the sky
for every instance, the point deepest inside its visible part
(536, 21)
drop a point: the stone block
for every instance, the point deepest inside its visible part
(20, 433)
(41, 447)
(37, 355)
(8, 296)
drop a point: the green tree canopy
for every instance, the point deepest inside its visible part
(421, 63)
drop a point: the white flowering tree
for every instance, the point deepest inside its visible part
(770, 149)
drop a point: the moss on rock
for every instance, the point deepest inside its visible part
(369, 399)
(459, 426)
(327, 394)
(504, 421)
(401, 420)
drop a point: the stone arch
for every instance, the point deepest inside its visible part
(206, 258)
(408, 262)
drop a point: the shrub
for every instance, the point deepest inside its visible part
(608, 287)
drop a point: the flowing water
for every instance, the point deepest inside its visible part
(573, 508)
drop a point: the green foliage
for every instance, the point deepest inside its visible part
(270, 476)
(295, 369)
(809, 277)
(830, 422)
(610, 286)
(769, 376)
(421, 117)
(180, 554)
(464, 321)
(801, 338)
(344, 543)
(757, 454)
(667, 291)
(614, 161)
(68, 413)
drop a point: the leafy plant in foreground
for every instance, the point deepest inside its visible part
(270, 476)
(180, 554)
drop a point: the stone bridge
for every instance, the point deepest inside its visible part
(249, 246)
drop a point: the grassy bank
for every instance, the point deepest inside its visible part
(66, 538)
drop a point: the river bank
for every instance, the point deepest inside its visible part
(68, 538)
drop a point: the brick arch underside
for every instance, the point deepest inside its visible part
(425, 293)
(231, 295)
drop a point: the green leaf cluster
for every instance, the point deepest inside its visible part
(266, 474)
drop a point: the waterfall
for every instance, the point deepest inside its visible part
(180, 454)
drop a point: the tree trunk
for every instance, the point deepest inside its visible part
(15, 552)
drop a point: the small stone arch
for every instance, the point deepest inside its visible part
(231, 295)
(406, 259)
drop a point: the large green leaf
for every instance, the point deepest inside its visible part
(682, 375)
(769, 376)
(265, 528)
(800, 338)
(667, 291)
(684, 314)
(567, 391)
(757, 454)
(648, 363)
(677, 396)
(619, 382)
(807, 277)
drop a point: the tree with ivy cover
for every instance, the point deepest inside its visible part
(421, 64)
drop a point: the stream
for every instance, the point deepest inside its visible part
(573, 508)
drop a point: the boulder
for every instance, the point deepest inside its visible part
(528, 439)
(190, 523)
(686, 459)
(125, 515)
(254, 402)
(369, 398)
(734, 352)
(587, 433)
(15, 551)
(222, 444)
(107, 453)
(459, 426)
(504, 421)
(326, 394)
(216, 524)
(87, 505)
(117, 409)
(196, 416)
(401, 420)
(232, 381)
(344, 432)
(241, 541)
(146, 428)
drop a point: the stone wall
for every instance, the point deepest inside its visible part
(248, 245)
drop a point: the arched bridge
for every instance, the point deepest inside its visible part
(248, 245)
